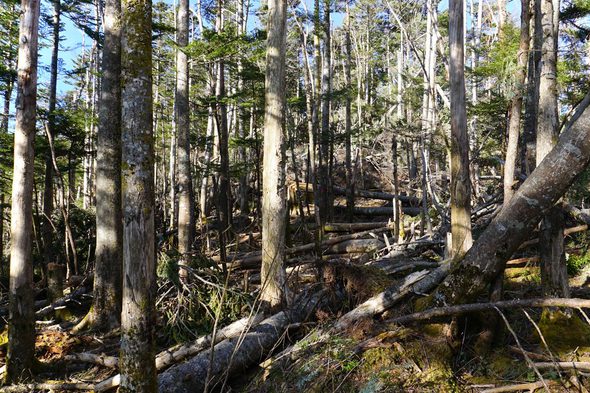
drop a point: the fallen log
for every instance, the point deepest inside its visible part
(417, 283)
(356, 246)
(101, 360)
(354, 226)
(51, 386)
(253, 259)
(59, 303)
(380, 210)
(233, 355)
(477, 307)
(384, 196)
(173, 355)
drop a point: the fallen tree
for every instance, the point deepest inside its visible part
(235, 354)
(173, 355)
(511, 227)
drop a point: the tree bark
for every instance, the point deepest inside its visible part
(516, 106)
(550, 180)
(49, 249)
(273, 293)
(138, 318)
(460, 181)
(186, 221)
(21, 322)
(553, 267)
(347, 121)
(325, 134)
(105, 313)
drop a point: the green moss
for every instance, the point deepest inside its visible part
(563, 331)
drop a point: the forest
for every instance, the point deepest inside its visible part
(294, 196)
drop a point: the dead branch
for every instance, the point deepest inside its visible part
(580, 366)
(477, 307)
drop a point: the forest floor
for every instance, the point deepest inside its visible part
(517, 349)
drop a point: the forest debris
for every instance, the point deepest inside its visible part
(580, 366)
(354, 226)
(232, 355)
(531, 387)
(566, 232)
(381, 211)
(87, 357)
(60, 303)
(253, 259)
(356, 246)
(476, 307)
(170, 356)
(532, 355)
(419, 282)
(51, 386)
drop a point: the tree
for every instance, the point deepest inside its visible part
(137, 364)
(516, 106)
(460, 182)
(21, 323)
(273, 176)
(186, 199)
(105, 313)
(552, 252)
(545, 185)
(47, 227)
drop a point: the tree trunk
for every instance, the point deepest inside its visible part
(49, 253)
(527, 151)
(325, 134)
(138, 318)
(460, 182)
(224, 204)
(553, 266)
(516, 106)
(273, 293)
(550, 180)
(21, 323)
(186, 221)
(348, 122)
(105, 313)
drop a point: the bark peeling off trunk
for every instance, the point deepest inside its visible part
(548, 182)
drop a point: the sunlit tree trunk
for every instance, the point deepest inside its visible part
(21, 322)
(138, 318)
(348, 120)
(273, 192)
(460, 182)
(106, 307)
(516, 106)
(184, 177)
(551, 246)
